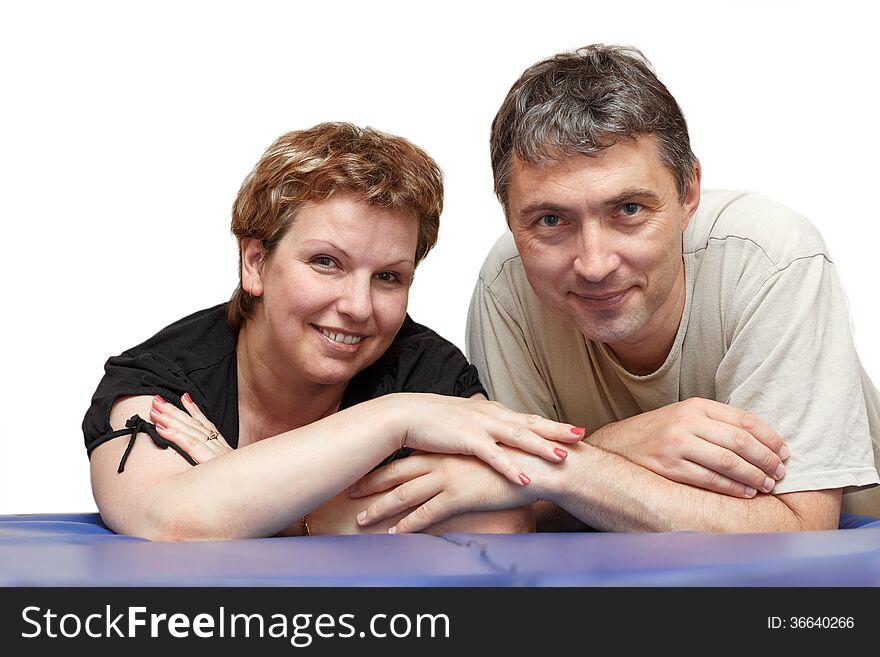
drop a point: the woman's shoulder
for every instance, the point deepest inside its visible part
(416, 342)
(418, 360)
(193, 342)
(195, 354)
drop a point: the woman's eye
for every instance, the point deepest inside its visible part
(549, 220)
(629, 209)
(388, 277)
(323, 261)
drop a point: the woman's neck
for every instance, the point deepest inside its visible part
(273, 399)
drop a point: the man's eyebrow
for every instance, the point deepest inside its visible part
(547, 207)
(632, 194)
(627, 195)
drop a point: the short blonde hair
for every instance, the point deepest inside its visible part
(309, 165)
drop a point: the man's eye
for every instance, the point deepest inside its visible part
(549, 220)
(630, 209)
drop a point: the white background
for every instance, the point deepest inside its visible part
(126, 130)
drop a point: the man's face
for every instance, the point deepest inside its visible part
(600, 240)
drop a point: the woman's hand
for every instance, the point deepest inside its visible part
(701, 443)
(433, 488)
(193, 433)
(477, 427)
(338, 515)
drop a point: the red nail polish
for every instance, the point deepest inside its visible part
(158, 399)
(578, 431)
(561, 453)
(159, 425)
(524, 479)
(187, 398)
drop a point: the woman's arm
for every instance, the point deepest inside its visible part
(263, 488)
(339, 516)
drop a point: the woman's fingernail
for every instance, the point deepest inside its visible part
(578, 431)
(362, 516)
(751, 492)
(561, 453)
(783, 452)
(159, 425)
(524, 479)
(780, 471)
(392, 530)
(158, 399)
(187, 398)
(768, 484)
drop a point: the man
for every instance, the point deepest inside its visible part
(702, 339)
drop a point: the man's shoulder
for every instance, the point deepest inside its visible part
(782, 234)
(502, 258)
(503, 277)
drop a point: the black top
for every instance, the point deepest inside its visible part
(197, 355)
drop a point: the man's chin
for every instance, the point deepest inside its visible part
(607, 331)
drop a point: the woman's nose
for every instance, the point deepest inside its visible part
(356, 299)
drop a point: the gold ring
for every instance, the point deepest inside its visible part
(213, 435)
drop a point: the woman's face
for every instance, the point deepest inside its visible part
(335, 289)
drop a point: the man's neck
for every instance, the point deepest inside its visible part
(646, 351)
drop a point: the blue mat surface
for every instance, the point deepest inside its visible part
(77, 550)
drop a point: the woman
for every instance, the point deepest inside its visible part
(309, 370)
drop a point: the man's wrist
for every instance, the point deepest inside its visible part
(608, 439)
(600, 437)
(554, 480)
(584, 478)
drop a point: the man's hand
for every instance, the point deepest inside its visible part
(702, 443)
(435, 487)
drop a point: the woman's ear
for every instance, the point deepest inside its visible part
(252, 258)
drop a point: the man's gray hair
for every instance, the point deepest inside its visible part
(585, 101)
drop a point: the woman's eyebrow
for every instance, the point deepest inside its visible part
(333, 245)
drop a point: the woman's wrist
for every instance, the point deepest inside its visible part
(389, 415)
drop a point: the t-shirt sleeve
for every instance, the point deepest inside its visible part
(126, 375)
(497, 346)
(792, 361)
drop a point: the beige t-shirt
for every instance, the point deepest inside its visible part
(765, 328)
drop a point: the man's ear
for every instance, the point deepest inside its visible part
(252, 259)
(691, 196)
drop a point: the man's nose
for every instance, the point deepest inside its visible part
(597, 255)
(356, 299)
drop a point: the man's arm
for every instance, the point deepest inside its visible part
(607, 492)
(591, 487)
